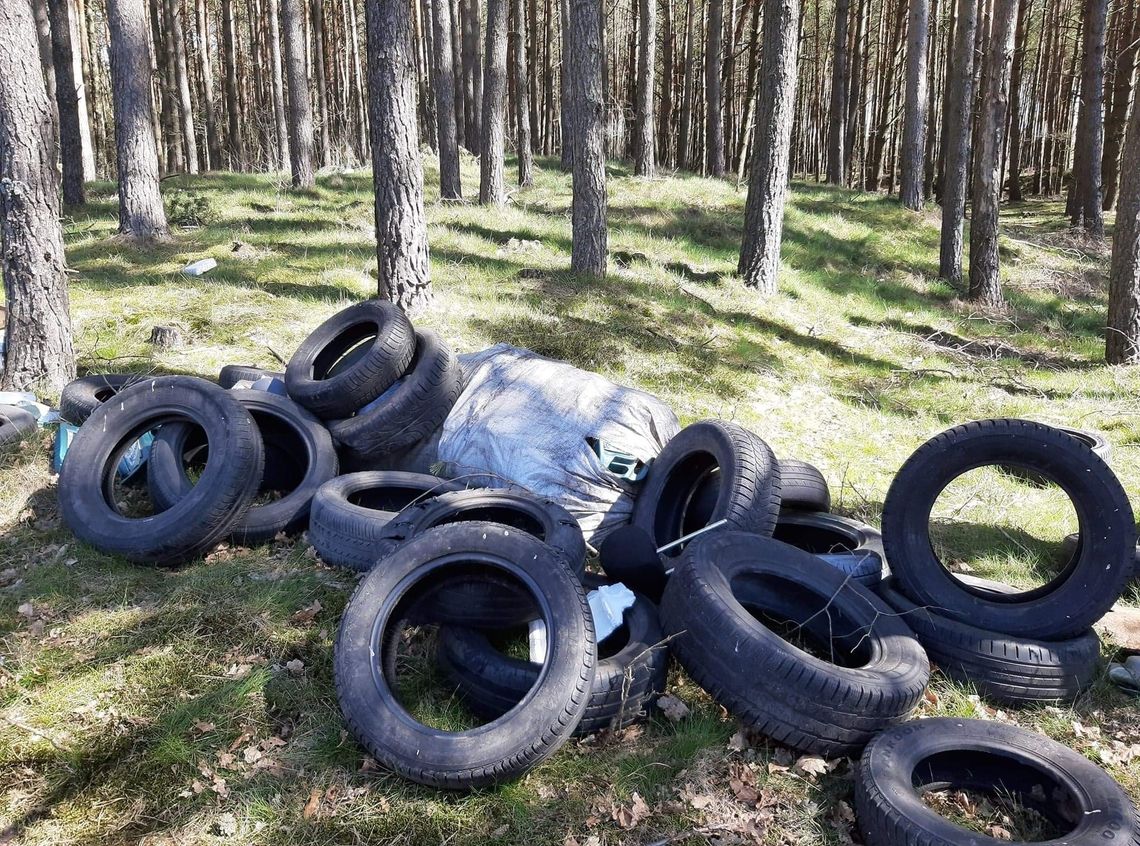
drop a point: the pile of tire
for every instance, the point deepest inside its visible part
(1014, 646)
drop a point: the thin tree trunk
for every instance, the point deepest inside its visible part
(566, 115)
(1015, 121)
(1088, 207)
(182, 78)
(39, 353)
(234, 143)
(67, 104)
(458, 57)
(665, 113)
(404, 268)
(163, 66)
(523, 112)
(588, 253)
(644, 148)
(206, 71)
(687, 88)
(837, 125)
(278, 85)
(358, 84)
(985, 271)
(141, 214)
(450, 185)
(318, 34)
(768, 184)
(44, 42)
(1123, 82)
(714, 116)
(492, 185)
(1122, 344)
(300, 109)
(856, 91)
(914, 112)
(959, 113)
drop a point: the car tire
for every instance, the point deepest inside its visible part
(333, 374)
(1071, 602)
(711, 607)
(364, 659)
(82, 396)
(15, 424)
(802, 487)
(992, 758)
(198, 521)
(231, 374)
(854, 548)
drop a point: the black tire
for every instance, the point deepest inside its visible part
(412, 409)
(676, 498)
(1071, 602)
(992, 758)
(83, 396)
(853, 547)
(286, 429)
(231, 374)
(497, 751)
(802, 487)
(631, 671)
(15, 423)
(710, 605)
(1095, 441)
(331, 388)
(196, 522)
(1003, 669)
(349, 513)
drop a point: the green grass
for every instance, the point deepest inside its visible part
(157, 707)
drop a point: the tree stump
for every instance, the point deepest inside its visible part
(167, 337)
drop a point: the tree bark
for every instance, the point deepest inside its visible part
(1122, 85)
(404, 268)
(566, 116)
(318, 27)
(1122, 343)
(644, 148)
(39, 353)
(665, 113)
(525, 118)
(67, 103)
(235, 146)
(44, 42)
(958, 116)
(300, 108)
(687, 88)
(1015, 122)
(1088, 198)
(206, 71)
(450, 185)
(914, 112)
(768, 183)
(141, 214)
(492, 185)
(278, 85)
(589, 250)
(837, 125)
(985, 270)
(182, 80)
(714, 116)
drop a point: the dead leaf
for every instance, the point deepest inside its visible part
(306, 615)
(844, 812)
(204, 728)
(999, 833)
(811, 765)
(26, 610)
(500, 831)
(673, 708)
(630, 816)
(296, 666)
(738, 742)
(313, 805)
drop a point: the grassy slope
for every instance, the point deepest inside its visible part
(122, 690)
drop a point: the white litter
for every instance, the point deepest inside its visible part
(200, 267)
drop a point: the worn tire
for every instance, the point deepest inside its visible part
(626, 681)
(773, 686)
(313, 377)
(989, 757)
(1004, 669)
(82, 396)
(349, 513)
(802, 487)
(748, 495)
(1066, 606)
(414, 407)
(848, 545)
(198, 521)
(231, 374)
(286, 430)
(507, 747)
(15, 423)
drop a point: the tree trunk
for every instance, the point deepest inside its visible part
(687, 88)
(985, 276)
(1088, 198)
(140, 201)
(837, 126)
(878, 141)
(318, 26)
(162, 66)
(665, 114)
(234, 143)
(644, 148)
(404, 268)
(714, 116)
(914, 112)
(300, 109)
(588, 254)
(1015, 122)
(67, 103)
(39, 352)
(182, 80)
(768, 183)
(566, 115)
(474, 56)
(1123, 81)
(278, 85)
(450, 185)
(44, 26)
(358, 84)
(525, 118)
(206, 71)
(958, 117)
(492, 186)
(856, 93)
(1122, 344)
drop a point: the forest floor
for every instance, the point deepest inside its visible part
(197, 705)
